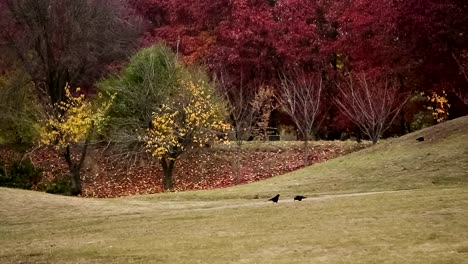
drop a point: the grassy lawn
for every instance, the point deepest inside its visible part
(401, 201)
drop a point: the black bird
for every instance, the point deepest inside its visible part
(420, 139)
(274, 199)
(299, 198)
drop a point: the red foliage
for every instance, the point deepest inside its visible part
(185, 25)
(368, 38)
(262, 38)
(258, 38)
(433, 32)
(255, 39)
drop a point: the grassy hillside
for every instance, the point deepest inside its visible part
(401, 201)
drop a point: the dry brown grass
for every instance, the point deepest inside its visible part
(420, 217)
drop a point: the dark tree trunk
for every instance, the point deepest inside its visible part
(402, 124)
(168, 169)
(305, 145)
(75, 177)
(56, 85)
(358, 136)
(408, 127)
(75, 181)
(75, 168)
(237, 161)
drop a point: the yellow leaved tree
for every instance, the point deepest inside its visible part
(192, 118)
(439, 106)
(70, 128)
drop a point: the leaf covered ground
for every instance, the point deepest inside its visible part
(208, 168)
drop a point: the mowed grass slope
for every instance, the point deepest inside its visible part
(401, 201)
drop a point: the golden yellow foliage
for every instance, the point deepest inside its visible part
(73, 120)
(191, 120)
(439, 106)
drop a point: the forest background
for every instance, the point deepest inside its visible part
(369, 69)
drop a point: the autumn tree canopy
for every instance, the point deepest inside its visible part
(414, 42)
(192, 118)
(420, 44)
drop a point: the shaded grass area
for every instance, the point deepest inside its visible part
(422, 221)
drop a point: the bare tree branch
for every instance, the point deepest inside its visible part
(300, 97)
(371, 103)
(241, 112)
(66, 41)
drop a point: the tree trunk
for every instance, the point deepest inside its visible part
(75, 181)
(306, 150)
(56, 81)
(168, 168)
(402, 125)
(237, 162)
(74, 169)
(374, 135)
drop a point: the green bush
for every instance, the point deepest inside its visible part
(151, 76)
(20, 174)
(19, 110)
(61, 185)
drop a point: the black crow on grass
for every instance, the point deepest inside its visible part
(274, 199)
(299, 198)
